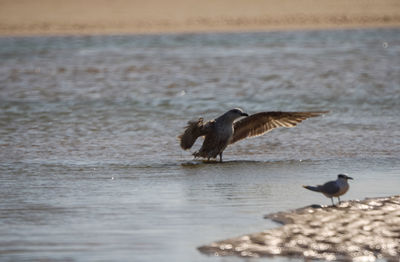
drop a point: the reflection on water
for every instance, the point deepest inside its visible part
(89, 161)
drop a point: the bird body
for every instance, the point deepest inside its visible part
(333, 188)
(226, 129)
(218, 135)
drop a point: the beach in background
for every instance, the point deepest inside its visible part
(49, 17)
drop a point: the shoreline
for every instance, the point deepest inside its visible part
(83, 33)
(366, 229)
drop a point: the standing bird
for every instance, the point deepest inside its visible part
(224, 130)
(333, 188)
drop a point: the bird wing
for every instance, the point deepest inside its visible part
(313, 188)
(330, 188)
(193, 130)
(261, 123)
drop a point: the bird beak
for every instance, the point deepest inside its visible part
(245, 114)
(350, 178)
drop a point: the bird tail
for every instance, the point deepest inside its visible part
(313, 188)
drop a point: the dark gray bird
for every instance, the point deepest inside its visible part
(333, 188)
(224, 130)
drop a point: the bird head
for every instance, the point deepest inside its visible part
(232, 115)
(237, 112)
(344, 176)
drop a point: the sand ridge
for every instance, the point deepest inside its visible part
(355, 230)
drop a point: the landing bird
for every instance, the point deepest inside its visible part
(333, 188)
(224, 130)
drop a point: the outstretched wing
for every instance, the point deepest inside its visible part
(261, 123)
(193, 130)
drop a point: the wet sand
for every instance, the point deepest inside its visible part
(365, 230)
(49, 17)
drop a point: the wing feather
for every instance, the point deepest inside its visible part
(193, 130)
(263, 122)
(330, 188)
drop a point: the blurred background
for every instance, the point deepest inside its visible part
(24, 17)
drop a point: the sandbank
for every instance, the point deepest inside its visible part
(91, 17)
(354, 230)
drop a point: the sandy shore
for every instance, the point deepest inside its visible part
(56, 17)
(356, 230)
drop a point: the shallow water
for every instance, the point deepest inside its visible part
(90, 167)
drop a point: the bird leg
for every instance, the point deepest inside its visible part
(332, 201)
(220, 157)
(338, 199)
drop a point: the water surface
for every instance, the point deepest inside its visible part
(91, 169)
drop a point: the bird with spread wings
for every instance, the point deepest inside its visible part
(226, 129)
